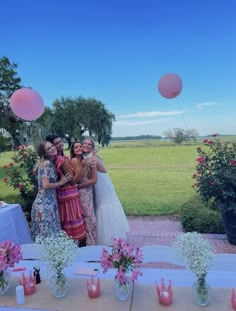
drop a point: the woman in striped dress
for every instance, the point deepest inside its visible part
(67, 196)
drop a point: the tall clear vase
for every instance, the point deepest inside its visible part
(122, 291)
(58, 284)
(201, 292)
(5, 277)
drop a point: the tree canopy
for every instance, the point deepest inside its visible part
(71, 118)
(179, 135)
(74, 117)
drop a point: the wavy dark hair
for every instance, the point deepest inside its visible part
(51, 138)
(72, 154)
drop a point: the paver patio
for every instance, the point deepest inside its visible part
(163, 231)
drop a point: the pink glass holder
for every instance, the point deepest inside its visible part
(94, 288)
(164, 293)
(233, 299)
(29, 283)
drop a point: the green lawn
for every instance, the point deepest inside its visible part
(151, 178)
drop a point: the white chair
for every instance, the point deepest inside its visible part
(31, 251)
(166, 254)
(91, 253)
(225, 262)
(161, 254)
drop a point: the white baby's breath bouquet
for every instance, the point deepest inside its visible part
(58, 250)
(197, 255)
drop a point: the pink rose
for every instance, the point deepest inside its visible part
(200, 159)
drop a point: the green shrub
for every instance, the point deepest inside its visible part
(20, 176)
(196, 215)
(215, 174)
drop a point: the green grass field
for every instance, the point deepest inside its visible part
(150, 177)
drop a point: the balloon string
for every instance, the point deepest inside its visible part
(178, 102)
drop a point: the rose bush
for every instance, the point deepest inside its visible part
(215, 176)
(21, 176)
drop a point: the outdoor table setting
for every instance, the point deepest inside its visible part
(143, 296)
(59, 280)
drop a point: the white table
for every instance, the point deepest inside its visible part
(13, 224)
(179, 277)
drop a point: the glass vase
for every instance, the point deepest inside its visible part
(58, 284)
(201, 292)
(122, 290)
(5, 277)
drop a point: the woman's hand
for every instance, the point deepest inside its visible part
(91, 161)
(65, 178)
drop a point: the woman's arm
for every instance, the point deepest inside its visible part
(91, 181)
(100, 166)
(48, 185)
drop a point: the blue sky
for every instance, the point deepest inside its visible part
(117, 50)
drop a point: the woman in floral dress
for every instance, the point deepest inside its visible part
(87, 178)
(44, 214)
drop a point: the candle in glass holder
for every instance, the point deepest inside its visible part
(164, 293)
(94, 288)
(233, 299)
(29, 283)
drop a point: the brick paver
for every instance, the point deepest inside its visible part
(158, 230)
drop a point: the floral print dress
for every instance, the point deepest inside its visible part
(86, 198)
(44, 215)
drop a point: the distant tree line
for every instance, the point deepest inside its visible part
(139, 137)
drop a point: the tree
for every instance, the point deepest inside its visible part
(179, 136)
(9, 83)
(74, 117)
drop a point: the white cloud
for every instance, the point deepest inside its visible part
(206, 104)
(135, 123)
(150, 114)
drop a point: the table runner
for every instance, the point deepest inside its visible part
(145, 298)
(76, 298)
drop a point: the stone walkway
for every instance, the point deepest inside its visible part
(163, 231)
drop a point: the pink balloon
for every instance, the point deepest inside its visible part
(170, 85)
(27, 104)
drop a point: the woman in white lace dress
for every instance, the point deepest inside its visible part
(111, 219)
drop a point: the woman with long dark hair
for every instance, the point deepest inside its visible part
(67, 196)
(88, 177)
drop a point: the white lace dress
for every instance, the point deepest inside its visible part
(111, 219)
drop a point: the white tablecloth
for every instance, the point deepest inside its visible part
(179, 278)
(13, 224)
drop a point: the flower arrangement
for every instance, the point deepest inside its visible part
(10, 254)
(58, 251)
(197, 255)
(124, 258)
(215, 176)
(195, 251)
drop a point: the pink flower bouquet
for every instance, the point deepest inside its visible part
(9, 254)
(124, 258)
